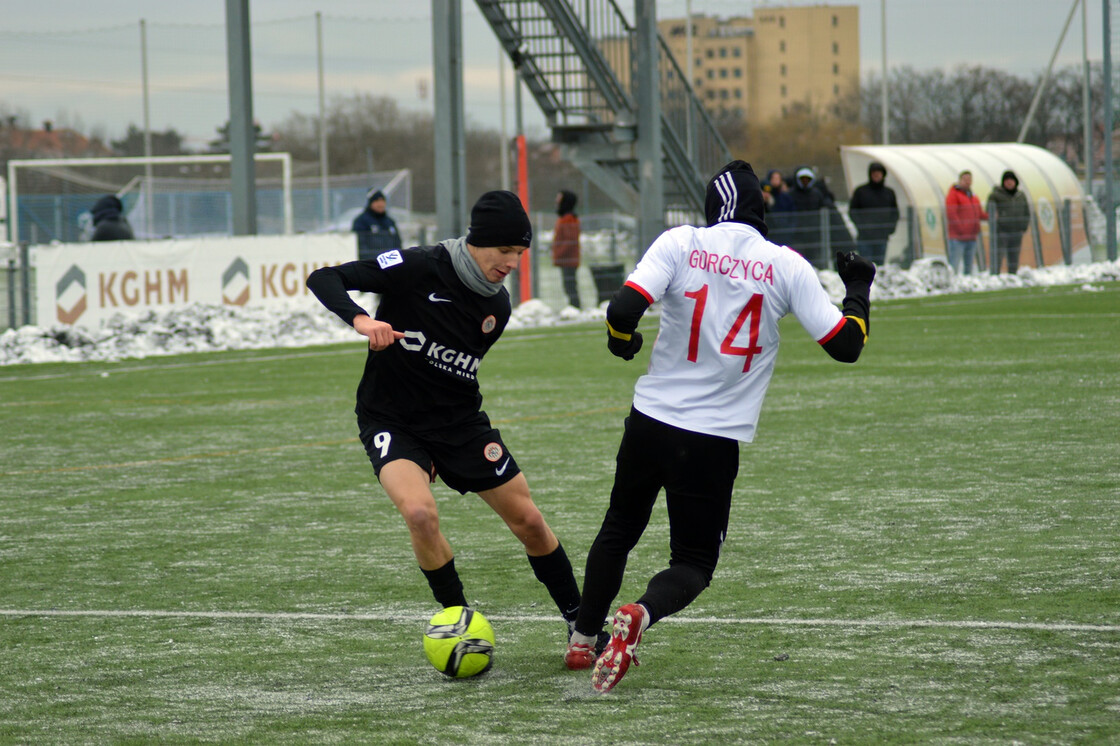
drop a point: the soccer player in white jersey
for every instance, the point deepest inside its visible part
(722, 289)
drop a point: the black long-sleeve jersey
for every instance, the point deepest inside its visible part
(428, 379)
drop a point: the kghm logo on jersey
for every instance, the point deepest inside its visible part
(492, 452)
(452, 361)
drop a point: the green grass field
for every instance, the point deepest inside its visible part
(924, 548)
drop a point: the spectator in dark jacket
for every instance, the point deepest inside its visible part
(805, 231)
(109, 222)
(775, 193)
(377, 232)
(874, 210)
(1009, 217)
(808, 233)
(779, 208)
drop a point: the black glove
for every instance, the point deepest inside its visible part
(854, 268)
(625, 348)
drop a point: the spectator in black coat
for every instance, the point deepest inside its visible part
(779, 208)
(376, 231)
(1009, 217)
(109, 222)
(874, 210)
(808, 232)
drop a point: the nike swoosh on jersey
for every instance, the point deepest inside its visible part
(436, 299)
(502, 469)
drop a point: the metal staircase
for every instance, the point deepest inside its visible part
(576, 58)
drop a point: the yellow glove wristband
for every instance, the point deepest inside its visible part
(862, 326)
(617, 334)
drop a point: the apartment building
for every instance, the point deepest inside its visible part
(759, 66)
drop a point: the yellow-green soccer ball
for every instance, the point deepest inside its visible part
(459, 642)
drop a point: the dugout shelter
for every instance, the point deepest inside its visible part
(921, 175)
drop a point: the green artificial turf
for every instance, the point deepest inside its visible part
(924, 547)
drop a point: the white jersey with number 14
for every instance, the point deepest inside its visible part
(722, 290)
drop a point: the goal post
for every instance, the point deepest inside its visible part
(163, 195)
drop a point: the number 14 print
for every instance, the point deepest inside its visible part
(752, 311)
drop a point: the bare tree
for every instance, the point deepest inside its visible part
(977, 104)
(365, 130)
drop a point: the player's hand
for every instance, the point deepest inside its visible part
(853, 267)
(625, 348)
(380, 334)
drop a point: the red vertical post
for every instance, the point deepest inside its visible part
(524, 270)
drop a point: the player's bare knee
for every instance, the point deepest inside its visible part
(533, 531)
(421, 520)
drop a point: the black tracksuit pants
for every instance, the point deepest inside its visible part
(697, 472)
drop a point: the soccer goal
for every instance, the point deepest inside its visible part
(163, 196)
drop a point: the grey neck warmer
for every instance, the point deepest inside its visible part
(467, 268)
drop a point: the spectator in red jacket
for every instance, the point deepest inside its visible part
(565, 244)
(963, 214)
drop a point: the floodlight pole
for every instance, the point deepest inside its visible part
(242, 143)
(147, 128)
(1109, 202)
(1046, 75)
(883, 93)
(1086, 110)
(503, 149)
(651, 183)
(689, 74)
(324, 177)
(450, 133)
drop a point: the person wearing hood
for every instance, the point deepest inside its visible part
(874, 210)
(1009, 217)
(565, 244)
(810, 196)
(722, 289)
(963, 214)
(441, 309)
(109, 222)
(376, 231)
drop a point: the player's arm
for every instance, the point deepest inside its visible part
(379, 333)
(646, 284)
(623, 314)
(847, 341)
(331, 285)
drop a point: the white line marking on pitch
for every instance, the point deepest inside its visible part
(406, 618)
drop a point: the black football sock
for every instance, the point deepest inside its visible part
(671, 590)
(555, 571)
(445, 585)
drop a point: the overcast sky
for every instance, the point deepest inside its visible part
(79, 62)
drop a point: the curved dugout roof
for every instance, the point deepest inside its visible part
(922, 174)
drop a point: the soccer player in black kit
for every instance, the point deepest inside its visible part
(419, 407)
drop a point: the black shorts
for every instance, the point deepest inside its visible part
(470, 457)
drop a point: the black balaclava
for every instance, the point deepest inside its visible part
(734, 195)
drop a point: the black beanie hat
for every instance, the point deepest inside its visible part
(498, 219)
(734, 195)
(373, 194)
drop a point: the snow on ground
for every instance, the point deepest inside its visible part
(201, 328)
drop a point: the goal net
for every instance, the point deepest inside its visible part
(163, 196)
